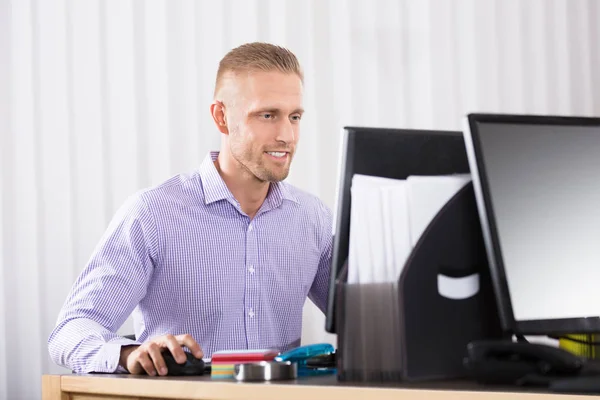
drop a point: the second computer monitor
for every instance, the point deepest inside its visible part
(537, 183)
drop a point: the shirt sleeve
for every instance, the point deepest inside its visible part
(106, 292)
(320, 287)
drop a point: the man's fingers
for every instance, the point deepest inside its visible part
(171, 342)
(188, 341)
(154, 351)
(144, 360)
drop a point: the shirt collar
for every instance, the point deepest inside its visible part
(215, 188)
(213, 185)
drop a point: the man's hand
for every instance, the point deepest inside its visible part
(148, 358)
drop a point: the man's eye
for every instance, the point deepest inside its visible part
(267, 116)
(296, 118)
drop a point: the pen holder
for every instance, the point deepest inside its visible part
(418, 328)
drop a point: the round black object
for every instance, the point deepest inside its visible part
(193, 366)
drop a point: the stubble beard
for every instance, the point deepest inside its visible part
(252, 160)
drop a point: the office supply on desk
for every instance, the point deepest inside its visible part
(223, 362)
(266, 371)
(389, 153)
(228, 356)
(374, 240)
(409, 329)
(388, 217)
(228, 364)
(322, 361)
(426, 196)
(301, 356)
(303, 353)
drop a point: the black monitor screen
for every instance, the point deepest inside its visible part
(538, 188)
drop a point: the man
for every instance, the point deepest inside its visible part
(221, 258)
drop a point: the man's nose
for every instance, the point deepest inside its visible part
(286, 132)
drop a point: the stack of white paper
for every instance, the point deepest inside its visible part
(387, 218)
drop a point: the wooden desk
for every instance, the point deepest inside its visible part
(128, 387)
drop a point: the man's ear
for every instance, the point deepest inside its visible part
(217, 110)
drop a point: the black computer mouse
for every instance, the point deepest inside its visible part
(192, 367)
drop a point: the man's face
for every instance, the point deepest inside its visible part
(264, 124)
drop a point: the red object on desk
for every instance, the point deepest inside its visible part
(223, 362)
(241, 356)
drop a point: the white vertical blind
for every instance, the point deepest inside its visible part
(22, 214)
(4, 183)
(100, 98)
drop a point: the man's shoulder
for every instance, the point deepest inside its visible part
(314, 210)
(308, 201)
(178, 188)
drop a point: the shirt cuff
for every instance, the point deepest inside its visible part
(112, 354)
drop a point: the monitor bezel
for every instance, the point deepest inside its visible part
(546, 327)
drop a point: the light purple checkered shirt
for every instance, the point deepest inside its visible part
(184, 258)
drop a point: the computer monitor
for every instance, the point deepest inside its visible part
(537, 186)
(392, 153)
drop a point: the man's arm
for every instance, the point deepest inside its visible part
(103, 296)
(320, 287)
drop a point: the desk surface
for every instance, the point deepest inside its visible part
(99, 386)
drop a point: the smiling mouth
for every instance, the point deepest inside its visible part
(277, 154)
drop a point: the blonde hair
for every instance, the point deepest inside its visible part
(258, 56)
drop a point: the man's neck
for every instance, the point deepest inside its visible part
(247, 190)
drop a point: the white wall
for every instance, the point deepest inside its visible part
(101, 98)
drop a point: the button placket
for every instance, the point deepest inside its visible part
(252, 285)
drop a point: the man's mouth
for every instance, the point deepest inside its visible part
(277, 154)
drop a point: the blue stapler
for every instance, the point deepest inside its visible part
(304, 354)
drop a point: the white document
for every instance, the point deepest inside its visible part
(427, 195)
(360, 243)
(387, 219)
(379, 242)
(396, 216)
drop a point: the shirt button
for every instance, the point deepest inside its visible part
(251, 269)
(251, 313)
(249, 227)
